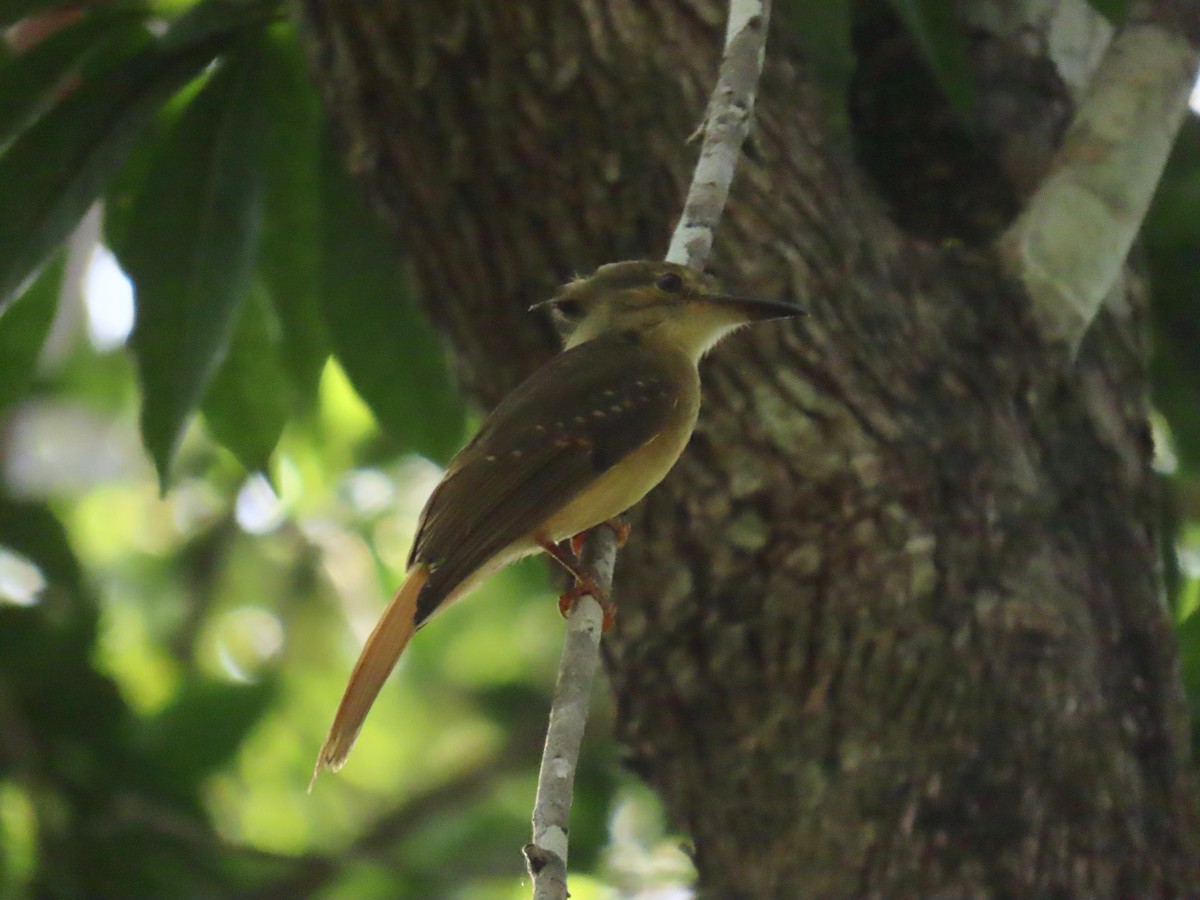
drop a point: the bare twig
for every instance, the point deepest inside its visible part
(546, 854)
(1070, 243)
(726, 125)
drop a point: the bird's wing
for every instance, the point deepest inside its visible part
(572, 420)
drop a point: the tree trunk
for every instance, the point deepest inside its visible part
(894, 624)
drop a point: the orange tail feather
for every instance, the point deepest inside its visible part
(375, 663)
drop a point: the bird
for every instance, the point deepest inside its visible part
(580, 441)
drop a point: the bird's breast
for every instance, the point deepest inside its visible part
(633, 476)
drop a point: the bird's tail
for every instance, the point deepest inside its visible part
(375, 663)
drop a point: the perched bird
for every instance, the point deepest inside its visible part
(584, 438)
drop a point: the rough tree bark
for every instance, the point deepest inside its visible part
(894, 625)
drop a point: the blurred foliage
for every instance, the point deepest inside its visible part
(943, 46)
(169, 661)
(173, 619)
(1113, 10)
(1172, 243)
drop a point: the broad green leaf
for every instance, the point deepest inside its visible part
(247, 403)
(390, 353)
(23, 330)
(203, 21)
(943, 45)
(56, 169)
(29, 82)
(289, 252)
(190, 245)
(128, 182)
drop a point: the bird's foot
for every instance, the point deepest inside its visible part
(585, 581)
(620, 528)
(587, 587)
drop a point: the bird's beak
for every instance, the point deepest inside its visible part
(756, 310)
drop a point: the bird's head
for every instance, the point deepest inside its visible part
(656, 300)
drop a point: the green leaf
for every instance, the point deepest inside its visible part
(14, 10)
(205, 21)
(29, 82)
(218, 19)
(23, 330)
(202, 729)
(1113, 10)
(247, 403)
(54, 171)
(128, 182)
(943, 45)
(823, 28)
(1188, 633)
(390, 353)
(289, 251)
(1176, 391)
(35, 532)
(1172, 240)
(190, 245)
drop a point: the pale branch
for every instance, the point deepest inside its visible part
(727, 121)
(726, 124)
(1069, 244)
(546, 854)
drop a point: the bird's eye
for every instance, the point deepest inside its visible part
(570, 309)
(670, 282)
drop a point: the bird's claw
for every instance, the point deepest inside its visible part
(588, 587)
(577, 544)
(585, 579)
(620, 528)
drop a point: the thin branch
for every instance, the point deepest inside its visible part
(1069, 245)
(546, 854)
(726, 124)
